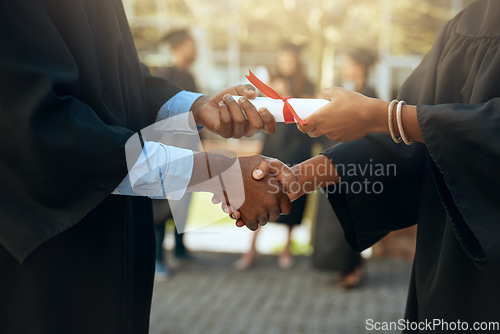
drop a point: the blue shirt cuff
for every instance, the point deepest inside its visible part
(179, 104)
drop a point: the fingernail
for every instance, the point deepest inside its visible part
(242, 100)
(262, 110)
(221, 104)
(257, 173)
(227, 97)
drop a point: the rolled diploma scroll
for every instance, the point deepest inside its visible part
(303, 107)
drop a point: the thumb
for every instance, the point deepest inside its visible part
(330, 93)
(262, 169)
(282, 172)
(247, 91)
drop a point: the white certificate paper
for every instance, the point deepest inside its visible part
(303, 107)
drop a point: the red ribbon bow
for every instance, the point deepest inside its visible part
(288, 112)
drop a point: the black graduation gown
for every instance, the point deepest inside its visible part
(181, 78)
(73, 258)
(449, 186)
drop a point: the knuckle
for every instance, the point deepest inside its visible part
(256, 123)
(239, 120)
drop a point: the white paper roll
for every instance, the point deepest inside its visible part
(303, 107)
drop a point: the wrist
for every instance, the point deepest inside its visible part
(206, 167)
(298, 190)
(196, 109)
(375, 116)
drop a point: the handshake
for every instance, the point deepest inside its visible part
(260, 190)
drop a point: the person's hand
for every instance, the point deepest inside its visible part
(230, 119)
(285, 175)
(347, 117)
(265, 200)
(268, 170)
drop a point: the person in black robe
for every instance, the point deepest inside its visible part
(356, 69)
(183, 47)
(447, 182)
(331, 250)
(73, 257)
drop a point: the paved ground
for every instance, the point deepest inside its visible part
(213, 299)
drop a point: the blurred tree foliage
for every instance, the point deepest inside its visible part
(398, 27)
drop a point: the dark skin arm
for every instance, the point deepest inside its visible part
(350, 116)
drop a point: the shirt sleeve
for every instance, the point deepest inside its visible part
(162, 171)
(179, 104)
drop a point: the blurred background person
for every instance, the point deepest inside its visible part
(183, 48)
(287, 144)
(331, 250)
(357, 65)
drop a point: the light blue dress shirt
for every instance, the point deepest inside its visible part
(162, 171)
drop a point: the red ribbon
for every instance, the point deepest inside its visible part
(288, 112)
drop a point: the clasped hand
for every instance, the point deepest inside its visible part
(270, 186)
(265, 197)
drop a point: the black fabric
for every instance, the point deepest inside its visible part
(182, 78)
(449, 186)
(368, 91)
(96, 277)
(72, 92)
(331, 250)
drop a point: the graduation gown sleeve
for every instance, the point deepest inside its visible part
(378, 189)
(66, 95)
(463, 142)
(158, 91)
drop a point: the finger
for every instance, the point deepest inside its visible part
(309, 126)
(253, 116)
(314, 134)
(236, 215)
(252, 224)
(274, 214)
(225, 122)
(247, 91)
(329, 93)
(262, 169)
(262, 222)
(277, 167)
(285, 205)
(268, 120)
(238, 119)
(216, 200)
(240, 223)
(225, 208)
(331, 136)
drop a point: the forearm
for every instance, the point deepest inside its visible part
(376, 115)
(206, 167)
(317, 172)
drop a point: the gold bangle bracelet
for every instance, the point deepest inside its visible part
(390, 112)
(407, 141)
